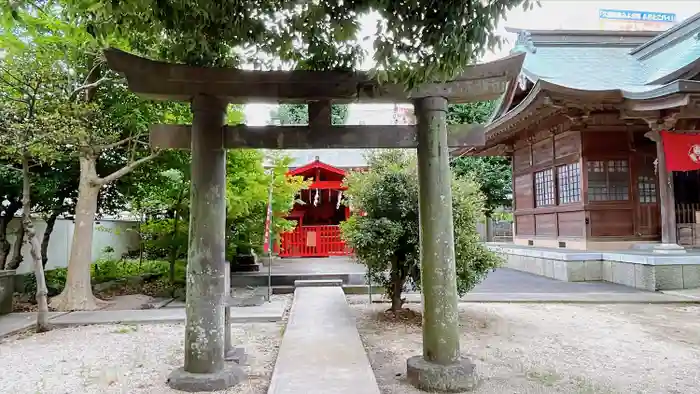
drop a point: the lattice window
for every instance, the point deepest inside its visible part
(608, 180)
(569, 183)
(544, 188)
(646, 186)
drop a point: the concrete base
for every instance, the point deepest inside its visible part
(229, 376)
(7, 288)
(236, 355)
(432, 377)
(639, 268)
(669, 249)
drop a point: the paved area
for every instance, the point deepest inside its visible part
(573, 298)
(321, 350)
(505, 280)
(328, 265)
(14, 322)
(686, 293)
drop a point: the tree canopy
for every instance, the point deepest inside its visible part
(415, 40)
(493, 174)
(297, 114)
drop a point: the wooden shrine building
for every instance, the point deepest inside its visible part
(582, 126)
(318, 212)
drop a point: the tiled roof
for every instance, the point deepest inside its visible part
(609, 62)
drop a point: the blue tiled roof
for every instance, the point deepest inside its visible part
(608, 66)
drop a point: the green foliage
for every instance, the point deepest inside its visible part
(415, 41)
(159, 240)
(386, 238)
(493, 174)
(473, 113)
(107, 270)
(297, 114)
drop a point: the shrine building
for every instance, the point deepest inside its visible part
(318, 212)
(602, 129)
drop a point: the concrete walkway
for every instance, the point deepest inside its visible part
(15, 322)
(321, 350)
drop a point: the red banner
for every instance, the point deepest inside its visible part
(682, 151)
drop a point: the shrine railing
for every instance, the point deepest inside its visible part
(313, 241)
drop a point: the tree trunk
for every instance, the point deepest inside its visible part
(50, 223)
(5, 245)
(42, 319)
(397, 282)
(16, 258)
(77, 295)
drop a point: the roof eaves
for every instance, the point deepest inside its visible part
(677, 74)
(667, 38)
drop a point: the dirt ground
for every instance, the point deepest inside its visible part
(553, 348)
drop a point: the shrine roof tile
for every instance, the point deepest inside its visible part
(612, 63)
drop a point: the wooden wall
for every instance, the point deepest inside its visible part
(545, 150)
(613, 220)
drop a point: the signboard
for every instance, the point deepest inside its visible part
(641, 16)
(628, 20)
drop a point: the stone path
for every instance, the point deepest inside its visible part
(14, 322)
(321, 350)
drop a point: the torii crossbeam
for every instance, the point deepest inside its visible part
(210, 90)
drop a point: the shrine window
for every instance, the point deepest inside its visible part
(544, 188)
(608, 180)
(646, 186)
(569, 183)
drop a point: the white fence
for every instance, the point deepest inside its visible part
(117, 234)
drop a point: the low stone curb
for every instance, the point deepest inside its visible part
(17, 322)
(570, 298)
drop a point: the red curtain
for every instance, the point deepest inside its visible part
(682, 151)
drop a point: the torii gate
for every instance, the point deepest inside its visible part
(210, 90)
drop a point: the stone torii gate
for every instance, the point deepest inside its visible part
(210, 90)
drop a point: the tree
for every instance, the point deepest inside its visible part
(23, 141)
(385, 237)
(93, 116)
(297, 114)
(493, 174)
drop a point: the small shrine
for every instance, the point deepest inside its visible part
(318, 211)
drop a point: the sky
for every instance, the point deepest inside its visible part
(552, 14)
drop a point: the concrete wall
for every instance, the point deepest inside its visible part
(6, 290)
(117, 234)
(646, 271)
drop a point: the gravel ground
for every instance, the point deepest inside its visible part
(122, 359)
(553, 348)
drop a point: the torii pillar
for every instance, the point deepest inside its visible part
(441, 366)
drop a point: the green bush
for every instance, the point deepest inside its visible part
(106, 270)
(386, 237)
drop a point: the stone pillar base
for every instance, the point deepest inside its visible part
(669, 249)
(453, 378)
(237, 355)
(230, 375)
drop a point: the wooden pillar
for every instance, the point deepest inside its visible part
(667, 199)
(441, 367)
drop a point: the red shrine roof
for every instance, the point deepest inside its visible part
(324, 176)
(316, 164)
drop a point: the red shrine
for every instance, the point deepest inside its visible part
(318, 213)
